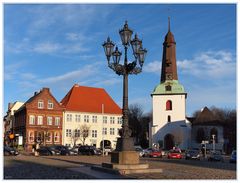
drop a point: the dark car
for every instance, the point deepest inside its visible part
(192, 154)
(174, 154)
(215, 156)
(44, 151)
(60, 150)
(89, 150)
(233, 158)
(10, 151)
(73, 150)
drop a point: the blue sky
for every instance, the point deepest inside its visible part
(58, 45)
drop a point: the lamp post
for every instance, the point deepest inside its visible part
(125, 142)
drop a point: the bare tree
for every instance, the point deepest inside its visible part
(84, 132)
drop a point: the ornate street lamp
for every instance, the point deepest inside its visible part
(125, 142)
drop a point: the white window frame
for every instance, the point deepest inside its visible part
(86, 118)
(77, 118)
(105, 119)
(119, 120)
(31, 119)
(40, 120)
(94, 119)
(112, 120)
(94, 133)
(69, 117)
(49, 139)
(104, 131)
(57, 121)
(31, 137)
(56, 136)
(112, 131)
(50, 104)
(40, 104)
(49, 120)
(68, 132)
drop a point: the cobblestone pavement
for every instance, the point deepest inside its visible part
(58, 167)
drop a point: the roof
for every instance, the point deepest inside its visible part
(206, 117)
(176, 88)
(169, 38)
(89, 99)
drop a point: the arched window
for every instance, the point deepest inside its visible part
(56, 137)
(169, 118)
(214, 133)
(200, 135)
(31, 137)
(169, 105)
(49, 137)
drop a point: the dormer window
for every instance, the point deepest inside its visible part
(168, 88)
(50, 104)
(40, 104)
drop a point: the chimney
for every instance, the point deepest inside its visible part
(35, 93)
(45, 89)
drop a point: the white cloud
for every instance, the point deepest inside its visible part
(47, 47)
(154, 67)
(215, 64)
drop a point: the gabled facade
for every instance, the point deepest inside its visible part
(90, 111)
(169, 127)
(39, 120)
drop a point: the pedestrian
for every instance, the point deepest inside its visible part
(36, 153)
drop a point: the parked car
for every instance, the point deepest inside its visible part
(73, 150)
(44, 151)
(233, 158)
(192, 154)
(215, 156)
(139, 150)
(89, 150)
(10, 151)
(60, 150)
(174, 154)
(155, 153)
(147, 151)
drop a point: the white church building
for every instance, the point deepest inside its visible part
(169, 126)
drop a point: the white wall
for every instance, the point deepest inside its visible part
(93, 126)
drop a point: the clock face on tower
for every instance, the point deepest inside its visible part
(169, 76)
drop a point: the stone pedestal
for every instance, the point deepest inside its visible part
(125, 157)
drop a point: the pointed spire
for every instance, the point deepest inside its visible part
(168, 24)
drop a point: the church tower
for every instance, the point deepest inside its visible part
(169, 127)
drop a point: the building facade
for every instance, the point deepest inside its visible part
(39, 120)
(90, 117)
(169, 127)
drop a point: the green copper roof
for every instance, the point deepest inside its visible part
(169, 87)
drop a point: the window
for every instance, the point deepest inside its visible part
(105, 119)
(50, 104)
(86, 118)
(31, 137)
(94, 119)
(169, 105)
(57, 121)
(200, 136)
(112, 120)
(111, 131)
(118, 130)
(169, 118)
(68, 132)
(77, 118)
(94, 133)
(31, 119)
(119, 120)
(40, 104)
(56, 137)
(49, 137)
(104, 132)
(40, 120)
(69, 117)
(49, 120)
(39, 137)
(77, 133)
(168, 88)
(214, 135)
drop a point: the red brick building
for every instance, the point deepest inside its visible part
(39, 120)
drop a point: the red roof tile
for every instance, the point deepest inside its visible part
(88, 99)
